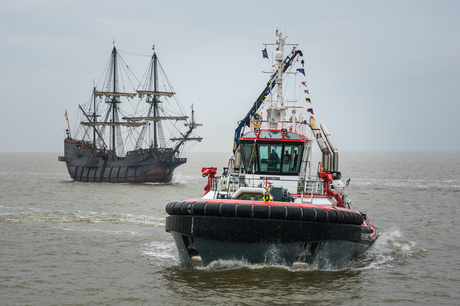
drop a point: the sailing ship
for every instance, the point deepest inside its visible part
(271, 204)
(133, 148)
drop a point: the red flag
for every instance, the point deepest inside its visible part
(65, 115)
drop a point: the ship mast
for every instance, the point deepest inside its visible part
(114, 101)
(94, 116)
(155, 99)
(274, 111)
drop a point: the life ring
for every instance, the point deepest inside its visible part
(256, 116)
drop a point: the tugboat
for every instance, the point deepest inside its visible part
(271, 205)
(98, 153)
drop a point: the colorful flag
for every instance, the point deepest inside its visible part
(310, 110)
(301, 70)
(65, 115)
(304, 83)
(293, 49)
(264, 53)
(308, 100)
(306, 91)
(153, 47)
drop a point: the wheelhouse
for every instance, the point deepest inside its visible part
(273, 152)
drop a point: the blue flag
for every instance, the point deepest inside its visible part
(264, 53)
(310, 110)
(301, 70)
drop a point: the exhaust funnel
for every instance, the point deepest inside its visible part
(335, 152)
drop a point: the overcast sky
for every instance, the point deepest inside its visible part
(382, 74)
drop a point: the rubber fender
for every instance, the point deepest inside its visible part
(177, 208)
(227, 210)
(309, 214)
(260, 211)
(354, 218)
(322, 215)
(244, 210)
(346, 216)
(359, 218)
(294, 213)
(168, 208)
(277, 212)
(198, 208)
(340, 216)
(186, 208)
(212, 209)
(332, 216)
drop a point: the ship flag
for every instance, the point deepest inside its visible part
(308, 100)
(301, 70)
(153, 47)
(310, 110)
(65, 116)
(264, 53)
(304, 83)
(306, 91)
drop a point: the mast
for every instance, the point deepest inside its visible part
(94, 116)
(155, 99)
(274, 111)
(114, 102)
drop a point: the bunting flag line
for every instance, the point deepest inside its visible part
(310, 110)
(301, 70)
(308, 100)
(264, 53)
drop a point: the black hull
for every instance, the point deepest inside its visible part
(140, 166)
(317, 244)
(267, 232)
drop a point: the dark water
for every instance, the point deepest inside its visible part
(70, 243)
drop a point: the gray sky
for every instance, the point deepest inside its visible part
(382, 74)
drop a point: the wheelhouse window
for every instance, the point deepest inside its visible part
(270, 157)
(249, 157)
(291, 158)
(280, 158)
(250, 135)
(291, 135)
(270, 134)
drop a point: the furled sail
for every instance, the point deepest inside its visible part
(155, 118)
(154, 93)
(100, 123)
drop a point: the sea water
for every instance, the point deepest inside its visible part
(71, 243)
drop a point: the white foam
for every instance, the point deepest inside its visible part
(390, 246)
(161, 253)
